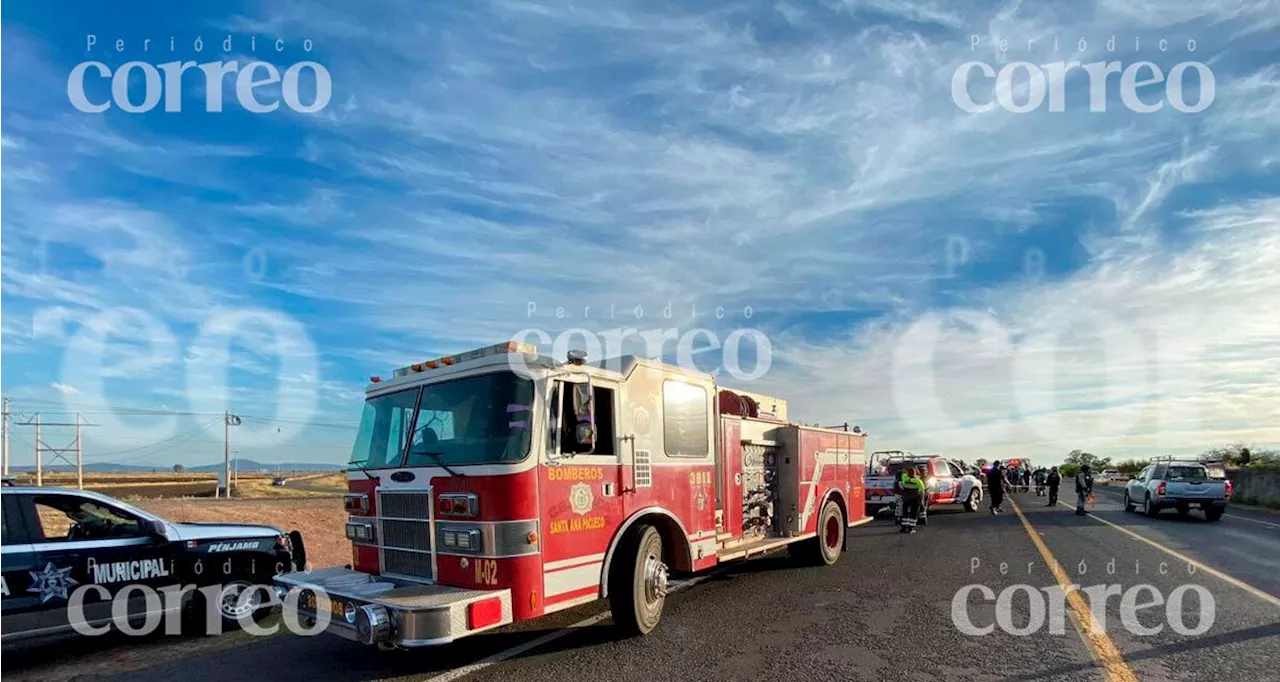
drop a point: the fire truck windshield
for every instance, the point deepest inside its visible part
(474, 420)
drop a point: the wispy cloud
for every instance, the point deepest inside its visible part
(804, 159)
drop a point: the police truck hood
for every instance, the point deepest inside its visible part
(221, 531)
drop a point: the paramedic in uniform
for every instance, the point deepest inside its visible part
(912, 492)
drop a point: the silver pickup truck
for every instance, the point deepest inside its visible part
(1172, 484)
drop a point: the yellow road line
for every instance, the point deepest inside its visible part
(1264, 596)
(1096, 639)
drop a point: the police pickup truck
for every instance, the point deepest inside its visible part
(75, 560)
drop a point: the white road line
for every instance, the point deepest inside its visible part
(458, 673)
(1245, 518)
(1260, 594)
(1234, 516)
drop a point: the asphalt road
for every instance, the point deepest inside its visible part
(885, 611)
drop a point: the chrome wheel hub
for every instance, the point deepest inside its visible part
(655, 579)
(239, 600)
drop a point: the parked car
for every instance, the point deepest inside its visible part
(1108, 477)
(1181, 485)
(57, 540)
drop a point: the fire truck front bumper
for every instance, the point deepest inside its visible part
(388, 612)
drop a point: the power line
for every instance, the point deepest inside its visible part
(149, 450)
(180, 437)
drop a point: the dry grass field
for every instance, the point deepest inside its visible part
(321, 520)
(309, 502)
(144, 486)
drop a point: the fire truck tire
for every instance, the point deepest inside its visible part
(823, 550)
(639, 584)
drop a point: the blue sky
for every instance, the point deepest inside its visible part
(982, 284)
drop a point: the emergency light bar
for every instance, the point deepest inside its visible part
(499, 349)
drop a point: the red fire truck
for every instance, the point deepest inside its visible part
(499, 485)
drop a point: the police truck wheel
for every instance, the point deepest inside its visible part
(227, 610)
(971, 503)
(639, 584)
(239, 599)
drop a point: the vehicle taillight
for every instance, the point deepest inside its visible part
(356, 503)
(1228, 489)
(1160, 489)
(457, 505)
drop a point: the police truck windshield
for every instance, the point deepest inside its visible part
(475, 420)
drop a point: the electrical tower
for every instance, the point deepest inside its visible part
(76, 446)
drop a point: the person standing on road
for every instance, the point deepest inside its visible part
(897, 496)
(1053, 480)
(912, 492)
(1039, 478)
(996, 486)
(1084, 488)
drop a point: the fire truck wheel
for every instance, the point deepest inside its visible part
(639, 587)
(823, 550)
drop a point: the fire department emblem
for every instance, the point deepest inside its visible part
(641, 421)
(581, 498)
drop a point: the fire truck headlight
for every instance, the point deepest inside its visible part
(468, 539)
(360, 532)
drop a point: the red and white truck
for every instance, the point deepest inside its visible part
(947, 482)
(498, 486)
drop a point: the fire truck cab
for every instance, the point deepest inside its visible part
(499, 485)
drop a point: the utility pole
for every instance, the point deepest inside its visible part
(39, 468)
(4, 437)
(228, 420)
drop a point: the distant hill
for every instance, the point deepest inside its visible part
(252, 465)
(242, 464)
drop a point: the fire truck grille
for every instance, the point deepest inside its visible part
(405, 533)
(407, 564)
(415, 504)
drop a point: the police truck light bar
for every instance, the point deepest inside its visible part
(499, 349)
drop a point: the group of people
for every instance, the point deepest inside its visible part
(1047, 480)
(913, 492)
